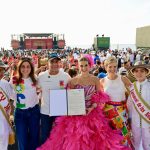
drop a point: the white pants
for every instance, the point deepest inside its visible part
(141, 135)
(4, 132)
(3, 142)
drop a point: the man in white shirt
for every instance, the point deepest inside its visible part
(108, 54)
(51, 79)
(138, 56)
(131, 57)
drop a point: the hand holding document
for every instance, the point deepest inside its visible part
(67, 102)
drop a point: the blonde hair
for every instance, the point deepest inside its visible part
(110, 60)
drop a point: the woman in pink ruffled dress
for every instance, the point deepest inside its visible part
(90, 131)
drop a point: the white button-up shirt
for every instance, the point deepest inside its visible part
(145, 94)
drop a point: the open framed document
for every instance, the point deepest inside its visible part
(67, 102)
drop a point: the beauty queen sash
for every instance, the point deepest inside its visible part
(4, 101)
(140, 104)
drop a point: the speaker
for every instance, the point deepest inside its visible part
(21, 43)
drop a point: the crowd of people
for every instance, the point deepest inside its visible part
(117, 99)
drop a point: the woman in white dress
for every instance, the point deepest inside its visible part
(116, 110)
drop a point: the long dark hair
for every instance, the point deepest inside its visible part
(19, 74)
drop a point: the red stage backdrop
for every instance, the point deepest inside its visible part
(38, 43)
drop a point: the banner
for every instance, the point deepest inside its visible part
(103, 42)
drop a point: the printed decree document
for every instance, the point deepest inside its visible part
(67, 102)
(76, 102)
(58, 103)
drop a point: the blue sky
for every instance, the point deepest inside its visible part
(79, 20)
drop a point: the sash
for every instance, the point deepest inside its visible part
(11, 138)
(140, 105)
(5, 108)
(5, 114)
(116, 103)
(4, 101)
